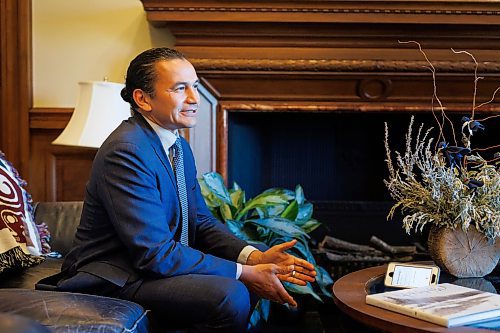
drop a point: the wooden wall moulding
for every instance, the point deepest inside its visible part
(68, 172)
(333, 65)
(49, 118)
(349, 87)
(58, 173)
(395, 11)
(328, 32)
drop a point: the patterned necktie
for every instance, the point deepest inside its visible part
(178, 163)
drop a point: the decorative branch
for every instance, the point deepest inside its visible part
(476, 79)
(435, 95)
(488, 102)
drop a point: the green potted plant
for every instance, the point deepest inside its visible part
(275, 216)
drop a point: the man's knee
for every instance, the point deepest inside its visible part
(228, 302)
(202, 302)
(235, 299)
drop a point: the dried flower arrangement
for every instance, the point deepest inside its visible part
(443, 195)
(444, 185)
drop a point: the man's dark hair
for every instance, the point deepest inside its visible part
(141, 73)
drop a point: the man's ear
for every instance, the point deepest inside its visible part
(141, 99)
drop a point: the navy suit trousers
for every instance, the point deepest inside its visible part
(199, 303)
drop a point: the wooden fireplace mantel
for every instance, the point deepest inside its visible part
(323, 11)
(334, 56)
(328, 30)
(322, 37)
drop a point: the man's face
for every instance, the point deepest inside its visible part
(176, 99)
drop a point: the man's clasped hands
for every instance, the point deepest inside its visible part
(264, 272)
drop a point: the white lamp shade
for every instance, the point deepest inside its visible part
(99, 110)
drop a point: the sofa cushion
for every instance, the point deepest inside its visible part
(10, 323)
(62, 219)
(72, 312)
(27, 278)
(19, 241)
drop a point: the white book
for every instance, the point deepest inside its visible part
(443, 304)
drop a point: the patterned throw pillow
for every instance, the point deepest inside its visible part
(19, 240)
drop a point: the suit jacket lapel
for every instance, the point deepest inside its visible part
(157, 146)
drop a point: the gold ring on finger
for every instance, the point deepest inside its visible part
(293, 273)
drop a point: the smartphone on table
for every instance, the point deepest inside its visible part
(407, 275)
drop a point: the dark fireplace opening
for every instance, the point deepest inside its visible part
(338, 159)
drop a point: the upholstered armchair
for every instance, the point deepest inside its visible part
(24, 309)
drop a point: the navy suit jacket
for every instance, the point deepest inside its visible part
(130, 225)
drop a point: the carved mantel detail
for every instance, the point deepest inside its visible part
(329, 65)
(415, 11)
(398, 10)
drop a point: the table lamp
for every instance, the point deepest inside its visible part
(99, 110)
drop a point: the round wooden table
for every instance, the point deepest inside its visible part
(349, 294)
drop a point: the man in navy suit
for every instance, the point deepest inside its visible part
(128, 243)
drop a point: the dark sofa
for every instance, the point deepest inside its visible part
(23, 309)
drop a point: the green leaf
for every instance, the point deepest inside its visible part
(255, 242)
(291, 211)
(270, 211)
(236, 187)
(262, 212)
(245, 232)
(299, 194)
(260, 313)
(210, 199)
(282, 192)
(203, 187)
(280, 226)
(261, 200)
(300, 250)
(279, 240)
(324, 281)
(237, 198)
(215, 184)
(235, 227)
(266, 308)
(225, 211)
(268, 200)
(305, 212)
(307, 289)
(310, 225)
(303, 251)
(265, 234)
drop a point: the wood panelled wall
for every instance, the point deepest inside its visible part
(62, 170)
(265, 56)
(15, 81)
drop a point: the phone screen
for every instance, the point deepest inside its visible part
(411, 276)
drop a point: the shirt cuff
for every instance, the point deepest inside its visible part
(239, 268)
(242, 259)
(245, 253)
